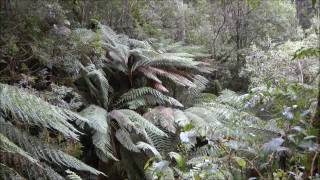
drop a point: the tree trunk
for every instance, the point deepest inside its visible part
(304, 12)
(180, 34)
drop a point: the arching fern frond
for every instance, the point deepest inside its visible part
(32, 110)
(164, 144)
(233, 99)
(137, 98)
(174, 77)
(162, 117)
(141, 121)
(72, 175)
(171, 59)
(27, 168)
(9, 146)
(145, 146)
(100, 125)
(98, 85)
(124, 138)
(16, 158)
(133, 127)
(9, 173)
(43, 151)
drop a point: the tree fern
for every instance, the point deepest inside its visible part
(14, 157)
(44, 152)
(32, 110)
(100, 128)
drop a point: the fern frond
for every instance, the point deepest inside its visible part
(129, 121)
(125, 123)
(145, 146)
(164, 144)
(171, 60)
(160, 87)
(98, 86)
(174, 77)
(32, 110)
(27, 168)
(99, 123)
(149, 74)
(9, 146)
(180, 118)
(16, 158)
(231, 98)
(9, 173)
(137, 118)
(43, 151)
(159, 170)
(140, 93)
(162, 117)
(72, 175)
(124, 138)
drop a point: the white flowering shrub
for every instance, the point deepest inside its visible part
(274, 62)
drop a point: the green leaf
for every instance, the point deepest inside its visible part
(241, 162)
(179, 159)
(188, 127)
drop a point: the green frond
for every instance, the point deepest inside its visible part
(164, 144)
(171, 60)
(231, 98)
(308, 52)
(9, 173)
(98, 86)
(149, 74)
(138, 97)
(132, 124)
(16, 158)
(145, 146)
(159, 170)
(162, 117)
(9, 146)
(72, 175)
(26, 168)
(203, 98)
(42, 151)
(32, 110)
(101, 132)
(124, 138)
(174, 77)
(180, 118)
(138, 119)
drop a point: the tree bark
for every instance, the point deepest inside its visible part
(304, 13)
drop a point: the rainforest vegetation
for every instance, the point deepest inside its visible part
(159, 89)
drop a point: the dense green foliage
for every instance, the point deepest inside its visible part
(171, 89)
